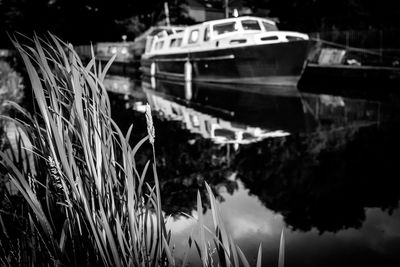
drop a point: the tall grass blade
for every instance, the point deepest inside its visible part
(281, 262)
(242, 257)
(259, 256)
(202, 246)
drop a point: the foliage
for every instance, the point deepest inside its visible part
(82, 200)
(82, 21)
(11, 87)
(326, 180)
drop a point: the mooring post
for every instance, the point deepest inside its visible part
(381, 46)
(188, 71)
(153, 69)
(188, 90)
(188, 80)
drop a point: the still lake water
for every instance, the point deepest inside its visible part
(324, 168)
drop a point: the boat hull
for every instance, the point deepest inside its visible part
(277, 64)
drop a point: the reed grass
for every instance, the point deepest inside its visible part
(89, 204)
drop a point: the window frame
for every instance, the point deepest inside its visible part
(272, 27)
(207, 33)
(235, 28)
(252, 20)
(190, 40)
(159, 45)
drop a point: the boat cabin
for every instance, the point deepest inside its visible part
(159, 33)
(220, 34)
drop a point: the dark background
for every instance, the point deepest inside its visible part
(84, 21)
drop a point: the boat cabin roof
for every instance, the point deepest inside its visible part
(218, 21)
(201, 35)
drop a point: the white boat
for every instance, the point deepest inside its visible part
(243, 49)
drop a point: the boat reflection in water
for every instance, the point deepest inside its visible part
(221, 131)
(323, 167)
(247, 114)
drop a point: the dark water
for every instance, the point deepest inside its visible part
(325, 168)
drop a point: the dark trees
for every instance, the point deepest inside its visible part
(81, 21)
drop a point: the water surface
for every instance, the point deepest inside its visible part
(322, 167)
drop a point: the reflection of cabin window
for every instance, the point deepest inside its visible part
(159, 45)
(195, 121)
(208, 126)
(249, 25)
(194, 36)
(176, 42)
(207, 33)
(269, 26)
(228, 134)
(224, 28)
(175, 110)
(248, 136)
(293, 38)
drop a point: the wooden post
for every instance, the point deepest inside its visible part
(153, 69)
(188, 71)
(188, 80)
(167, 14)
(188, 90)
(226, 9)
(381, 45)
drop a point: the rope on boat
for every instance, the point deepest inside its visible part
(356, 49)
(394, 59)
(349, 48)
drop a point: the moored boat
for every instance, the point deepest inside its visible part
(127, 54)
(244, 49)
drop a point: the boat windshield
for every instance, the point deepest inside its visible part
(224, 27)
(269, 26)
(251, 25)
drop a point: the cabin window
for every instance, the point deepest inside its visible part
(207, 33)
(159, 45)
(194, 36)
(293, 38)
(224, 28)
(269, 26)
(113, 50)
(251, 25)
(176, 42)
(269, 38)
(162, 33)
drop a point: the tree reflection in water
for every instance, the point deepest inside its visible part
(324, 180)
(184, 161)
